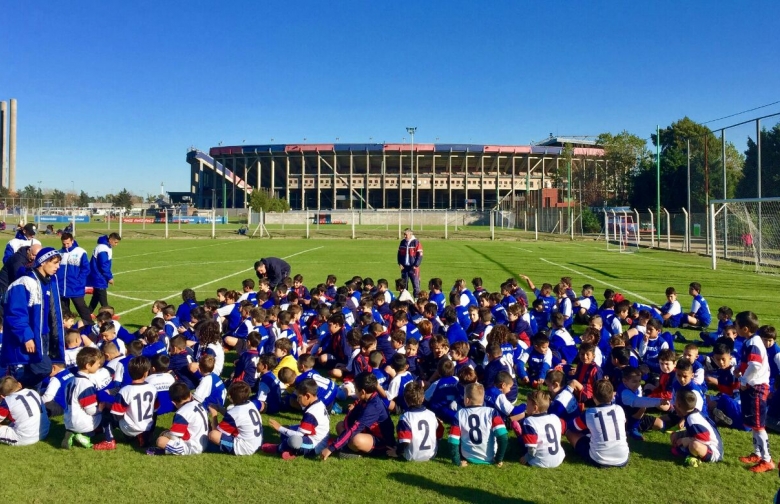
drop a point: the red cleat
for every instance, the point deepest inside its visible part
(763, 466)
(111, 445)
(269, 448)
(287, 455)
(115, 317)
(750, 459)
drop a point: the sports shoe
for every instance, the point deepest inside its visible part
(287, 455)
(83, 440)
(636, 435)
(336, 409)
(105, 445)
(763, 466)
(348, 455)
(67, 441)
(155, 451)
(750, 459)
(719, 416)
(270, 448)
(679, 338)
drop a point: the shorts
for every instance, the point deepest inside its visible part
(755, 406)
(227, 444)
(582, 448)
(710, 456)
(177, 446)
(732, 409)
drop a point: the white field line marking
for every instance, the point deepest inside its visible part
(675, 262)
(243, 271)
(173, 250)
(524, 250)
(602, 282)
(171, 265)
(132, 298)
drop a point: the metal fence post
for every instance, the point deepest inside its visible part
(712, 234)
(668, 230)
(492, 227)
(353, 225)
(214, 224)
(687, 239)
(307, 224)
(536, 226)
(399, 224)
(165, 216)
(652, 229)
(638, 228)
(446, 225)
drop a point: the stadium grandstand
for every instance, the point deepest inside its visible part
(382, 176)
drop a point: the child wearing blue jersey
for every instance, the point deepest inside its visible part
(269, 388)
(564, 397)
(377, 361)
(699, 317)
(545, 293)
(724, 407)
(561, 342)
(671, 311)
(172, 323)
(652, 344)
(724, 315)
(539, 317)
(629, 396)
(54, 396)
(496, 364)
(496, 397)
(210, 392)
(459, 353)
(538, 361)
(563, 305)
(442, 395)
(245, 367)
(394, 397)
(586, 305)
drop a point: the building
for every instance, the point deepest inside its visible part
(382, 176)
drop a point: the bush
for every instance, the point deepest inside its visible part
(590, 221)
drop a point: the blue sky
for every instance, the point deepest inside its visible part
(112, 94)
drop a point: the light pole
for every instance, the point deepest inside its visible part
(411, 130)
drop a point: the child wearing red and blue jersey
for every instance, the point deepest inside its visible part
(441, 397)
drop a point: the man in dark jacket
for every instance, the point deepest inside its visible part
(16, 266)
(273, 269)
(410, 254)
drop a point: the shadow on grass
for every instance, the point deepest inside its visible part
(490, 259)
(458, 493)
(652, 450)
(595, 270)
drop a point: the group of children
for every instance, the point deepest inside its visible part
(452, 360)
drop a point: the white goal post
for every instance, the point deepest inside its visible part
(746, 231)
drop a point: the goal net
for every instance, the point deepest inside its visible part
(622, 232)
(746, 231)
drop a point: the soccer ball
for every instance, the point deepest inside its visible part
(692, 461)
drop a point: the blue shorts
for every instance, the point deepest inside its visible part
(732, 409)
(755, 406)
(226, 444)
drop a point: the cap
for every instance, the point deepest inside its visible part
(44, 255)
(29, 229)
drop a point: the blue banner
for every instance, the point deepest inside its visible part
(61, 218)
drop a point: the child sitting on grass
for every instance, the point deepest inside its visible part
(479, 435)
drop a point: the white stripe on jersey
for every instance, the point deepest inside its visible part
(245, 418)
(78, 418)
(417, 434)
(322, 431)
(542, 436)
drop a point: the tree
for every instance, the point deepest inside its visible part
(770, 166)
(706, 168)
(30, 192)
(123, 199)
(261, 200)
(57, 197)
(624, 154)
(84, 200)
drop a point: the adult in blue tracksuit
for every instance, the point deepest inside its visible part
(410, 254)
(273, 269)
(100, 276)
(72, 277)
(25, 237)
(33, 334)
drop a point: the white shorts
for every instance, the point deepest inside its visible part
(177, 446)
(10, 437)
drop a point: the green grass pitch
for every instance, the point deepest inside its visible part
(151, 269)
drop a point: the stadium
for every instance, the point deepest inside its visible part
(388, 176)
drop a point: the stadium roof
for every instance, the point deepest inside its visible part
(581, 141)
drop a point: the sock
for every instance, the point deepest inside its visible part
(761, 440)
(107, 434)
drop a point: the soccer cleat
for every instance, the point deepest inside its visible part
(269, 448)
(678, 337)
(336, 409)
(720, 416)
(67, 441)
(636, 435)
(763, 466)
(155, 451)
(287, 455)
(750, 459)
(105, 445)
(83, 440)
(348, 455)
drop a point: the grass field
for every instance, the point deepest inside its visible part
(151, 269)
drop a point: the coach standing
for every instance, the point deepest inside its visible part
(100, 275)
(33, 333)
(273, 269)
(410, 254)
(72, 277)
